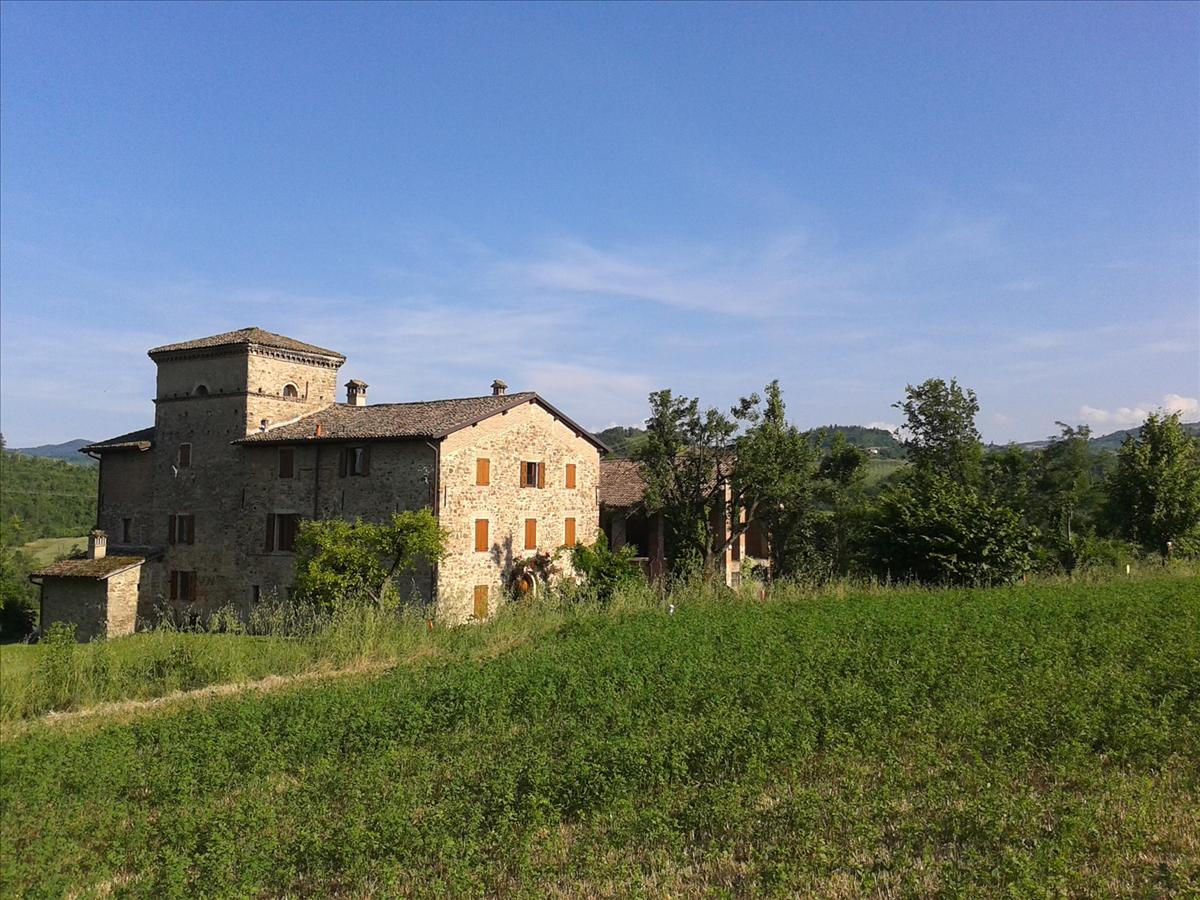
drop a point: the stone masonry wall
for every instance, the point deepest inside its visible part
(126, 492)
(527, 433)
(123, 602)
(80, 601)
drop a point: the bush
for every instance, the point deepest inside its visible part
(604, 570)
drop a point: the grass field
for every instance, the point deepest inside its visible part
(47, 550)
(1024, 741)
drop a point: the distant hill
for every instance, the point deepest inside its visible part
(879, 440)
(1107, 442)
(621, 440)
(52, 498)
(69, 452)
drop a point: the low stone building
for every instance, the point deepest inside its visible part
(248, 440)
(97, 594)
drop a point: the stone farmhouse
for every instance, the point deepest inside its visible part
(201, 510)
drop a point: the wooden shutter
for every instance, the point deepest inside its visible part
(287, 462)
(569, 532)
(170, 529)
(481, 535)
(174, 585)
(524, 469)
(483, 471)
(190, 526)
(531, 534)
(570, 475)
(541, 470)
(270, 544)
(481, 601)
(343, 459)
(185, 455)
(190, 582)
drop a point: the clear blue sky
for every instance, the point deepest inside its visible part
(595, 201)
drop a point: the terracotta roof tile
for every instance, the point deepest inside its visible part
(431, 418)
(134, 440)
(246, 336)
(621, 483)
(89, 568)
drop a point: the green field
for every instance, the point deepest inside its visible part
(1005, 742)
(46, 550)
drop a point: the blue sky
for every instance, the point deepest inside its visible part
(595, 201)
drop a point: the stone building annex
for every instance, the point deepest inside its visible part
(201, 510)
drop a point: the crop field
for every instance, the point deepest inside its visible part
(1006, 742)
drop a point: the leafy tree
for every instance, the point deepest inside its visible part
(939, 522)
(18, 597)
(52, 498)
(711, 475)
(337, 561)
(604, 570)
(941, 530)
(1154, 494)
(940, 433)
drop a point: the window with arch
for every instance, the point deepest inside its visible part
(201, 390)
(291, 391)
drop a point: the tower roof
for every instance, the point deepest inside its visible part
(246, 337)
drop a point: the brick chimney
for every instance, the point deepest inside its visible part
(498, 388)
(356, 392)
(97, 544)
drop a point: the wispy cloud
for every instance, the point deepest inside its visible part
(1126, 416)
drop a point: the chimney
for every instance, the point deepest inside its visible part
(97, 544)
(498, 388)
(356, 392)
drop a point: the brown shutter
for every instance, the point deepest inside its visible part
(531, 534)
(270, 544)
(483, 471)
(570, 475)
(366, 467)
(541, 470)
(287, 462)
(481, 601)
(343, 455)
(170, 529)
(481, 535)
(524, 481)
(185, 455)
(569, 532)
(191, 586)
(191, 529)
(174, 585)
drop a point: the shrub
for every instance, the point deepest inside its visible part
(604, 570)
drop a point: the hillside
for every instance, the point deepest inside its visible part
(68, 452)
(902, 743)
(52, 498)
(1106, 442)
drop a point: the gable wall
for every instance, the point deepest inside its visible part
(526, 433)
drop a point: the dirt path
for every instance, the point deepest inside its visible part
(126, 710)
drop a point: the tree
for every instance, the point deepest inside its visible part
(937, 524)
(840, 477)
(1154, 494)
(940, 429)
(604, 570)
(339, 561)
(711, 475)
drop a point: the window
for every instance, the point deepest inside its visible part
(287, 462)
(355, 461)
(126, 530)
(531, 534)
(183, 586)
(291, 392)
(533, 474)
(483, 471)
(571, 476)
(255, 593)
(481, 601)
(185, 456)
(569, 532)
(481, 536)
(201, 390)
(181, 529)
(281, 532)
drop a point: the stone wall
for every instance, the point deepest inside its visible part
(122, 608)
(80, 601)
(126, 492)
(528, 433)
